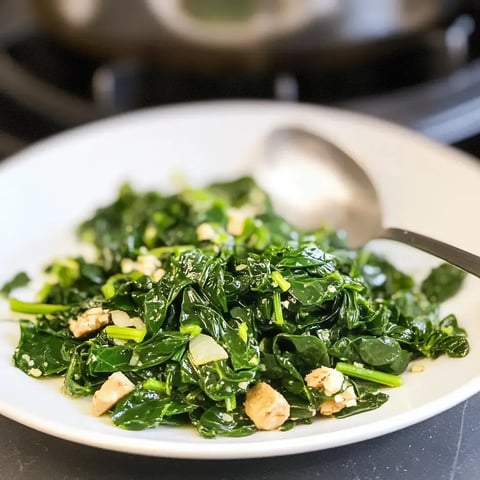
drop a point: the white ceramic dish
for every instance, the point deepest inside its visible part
(47, 189)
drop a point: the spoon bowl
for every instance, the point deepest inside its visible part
(330, 187)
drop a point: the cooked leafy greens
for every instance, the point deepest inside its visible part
(272, 302)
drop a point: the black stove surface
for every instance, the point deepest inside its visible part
(430, 83)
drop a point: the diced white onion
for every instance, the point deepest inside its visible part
(204, 349)
(122, 319)
(127, 265)
(134, 359)
(137, 323)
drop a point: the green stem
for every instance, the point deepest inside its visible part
(154, 384)
(108, 291)
(108, 288)
(191, 329)
(231, 403)
(368, 374)
(277, 309)
(125, 333)
(35, 308)
(280, 280)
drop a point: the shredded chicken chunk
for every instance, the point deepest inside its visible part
(89, 321)
(347, 398)
(329, 379)
(113, 390)
(266, 407)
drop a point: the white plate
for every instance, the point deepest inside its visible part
(47, 189)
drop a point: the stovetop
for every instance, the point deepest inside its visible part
(430, 83)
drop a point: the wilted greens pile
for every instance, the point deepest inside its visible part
(278, 301)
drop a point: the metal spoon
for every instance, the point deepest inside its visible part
(345, 198)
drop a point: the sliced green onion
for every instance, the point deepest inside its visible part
(154, 384)
(280, 281)
(150, 235)
(368, 374)
(231, 403)
(277, 309)
(108, 290)
(35, 308)
(43, 292)
(125, 333)
(191, 329)
(243, 331)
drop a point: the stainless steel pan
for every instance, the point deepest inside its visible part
(221, 34)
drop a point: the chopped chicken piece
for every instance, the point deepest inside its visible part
(329, 379)
(89, 321)
(349, 394)
(329, 407)
(266, 407)
(113, 390)
(347, 398)
(205, 232)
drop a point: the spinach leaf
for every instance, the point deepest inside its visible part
(368, 398)
(217, 380)
(147, 409)
(304, 351)
(106, 358)
(40, 354)
(196, 311)
(443, 282)
(217, 422)
(21, 279)
(79, 382)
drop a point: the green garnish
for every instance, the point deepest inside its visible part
(279, 280)
(125, 333)
(19, 306)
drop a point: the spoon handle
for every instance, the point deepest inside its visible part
(456, 256)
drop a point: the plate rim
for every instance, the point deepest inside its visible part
(252, 449)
